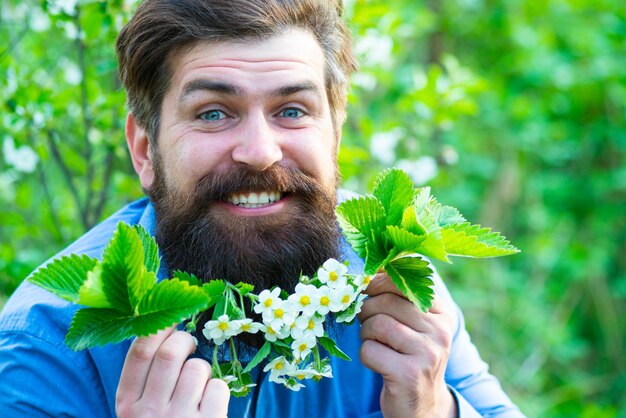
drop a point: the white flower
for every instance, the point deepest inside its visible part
(222, 329)
(244, 388)
(280, 313)
(278, 368)
(333, 273)
(349, 314)
(301, 347)
(250, 327)
(276, 330)
(301, 299)
(292, 384)
(302, 374)
(228, 378)
(322, 300)
(267, 299)
(326, 371)
(308, 325)
(342, 299)
(362, 281)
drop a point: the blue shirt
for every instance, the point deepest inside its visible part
(40, 376)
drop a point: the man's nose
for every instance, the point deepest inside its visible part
(259, 144)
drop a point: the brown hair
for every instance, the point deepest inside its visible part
(160, 28)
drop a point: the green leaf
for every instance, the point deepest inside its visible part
(445, 215)
(64, 276)
(474, 241)
(331, 347)
(244, 288)
(394, 190)
(377, 253)
(433, 245)
(92, 327)
(263, 352)
(412, 276)
(124, 274)
(360, 219)
(187, 277)
(150, 249)
(91, 293)
(403, 240)
(410, 222)
(169, 302)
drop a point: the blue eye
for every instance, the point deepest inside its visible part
(213, 115)
(291, 113)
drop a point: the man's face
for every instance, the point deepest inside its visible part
(244, 168)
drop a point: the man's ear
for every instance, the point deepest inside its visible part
(139, 148)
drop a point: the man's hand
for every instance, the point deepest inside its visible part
(158, 381)
(410, 349)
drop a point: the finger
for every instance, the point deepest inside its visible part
(215, 400)
(381, 359)
(392, 333)
(439, 306)
(190, 386)
(382, 283)
(399, 308)
(166, 367)
(137, 364)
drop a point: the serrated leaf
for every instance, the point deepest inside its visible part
(468, 240)
(410, 223)
(331, 347)
(64, 276)
(192, 279)
(433, 245)
(91, 293)
(150, 249)
(167, 303)
(92, 327)
(394, 189)
(244, 288)
(263, 352)
(403, 240)
(445, 215)
(123, 269)
(412, 275)
(377, 253)
(360, 219)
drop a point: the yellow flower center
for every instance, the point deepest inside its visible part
(311, 324)
(268, 302)
(333, 276)
(324, 300)
(279, 365)
(345, 299)
(303, 347)
(223, 326)
(271, 331)
(278, 313)
(304, 300)
(245, 327)
(367, 280)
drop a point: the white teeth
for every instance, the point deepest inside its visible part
(254, 200)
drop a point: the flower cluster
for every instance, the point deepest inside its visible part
(292, 324)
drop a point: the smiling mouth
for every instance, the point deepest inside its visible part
(254, 199)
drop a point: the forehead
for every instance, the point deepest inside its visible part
(293, 56)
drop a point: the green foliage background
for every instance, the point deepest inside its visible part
(513, 111)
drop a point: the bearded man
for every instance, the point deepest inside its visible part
(235, 115)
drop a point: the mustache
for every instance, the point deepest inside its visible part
(220, 185)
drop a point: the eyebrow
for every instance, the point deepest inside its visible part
(233, 90)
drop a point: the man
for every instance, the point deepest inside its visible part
(235, 117)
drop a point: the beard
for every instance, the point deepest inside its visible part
(196, 232)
